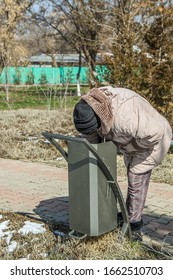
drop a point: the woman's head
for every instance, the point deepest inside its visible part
(85, 119)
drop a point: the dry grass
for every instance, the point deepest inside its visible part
(47, 246)
(20, 138)
(20, 133)
(30, 246)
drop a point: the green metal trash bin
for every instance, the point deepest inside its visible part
(92, 204)
(93, 189)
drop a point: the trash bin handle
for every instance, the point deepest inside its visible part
(51, 136)
(63, 137)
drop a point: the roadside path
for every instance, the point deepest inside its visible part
(42, 190)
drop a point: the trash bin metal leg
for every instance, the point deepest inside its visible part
(125, 230)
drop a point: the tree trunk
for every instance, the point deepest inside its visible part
(6, 85)
(78, 75)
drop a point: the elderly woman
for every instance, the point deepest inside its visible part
(139, 131)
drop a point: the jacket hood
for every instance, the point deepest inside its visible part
(100, 101)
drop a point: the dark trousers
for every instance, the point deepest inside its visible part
(136, 194)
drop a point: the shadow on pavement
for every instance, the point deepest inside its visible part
(54, 211)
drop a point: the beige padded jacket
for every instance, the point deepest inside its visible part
(141, 133)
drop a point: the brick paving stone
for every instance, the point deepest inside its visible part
(155, 204)
(161, 231)
(153, 225)
(170, 226)
(155, 211)
(163, 220)
(147, 219)
(169, 239)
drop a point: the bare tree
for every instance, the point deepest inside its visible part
(79, 23)
(11, 12)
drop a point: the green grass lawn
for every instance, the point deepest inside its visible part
(39, 97)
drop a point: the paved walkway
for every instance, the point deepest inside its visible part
(42, 190)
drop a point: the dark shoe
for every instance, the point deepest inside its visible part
(136, 225)
(136, 230)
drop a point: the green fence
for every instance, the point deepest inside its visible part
(30, 75)
(47, 75)
(69, 74)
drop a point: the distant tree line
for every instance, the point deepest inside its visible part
(134, 37)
